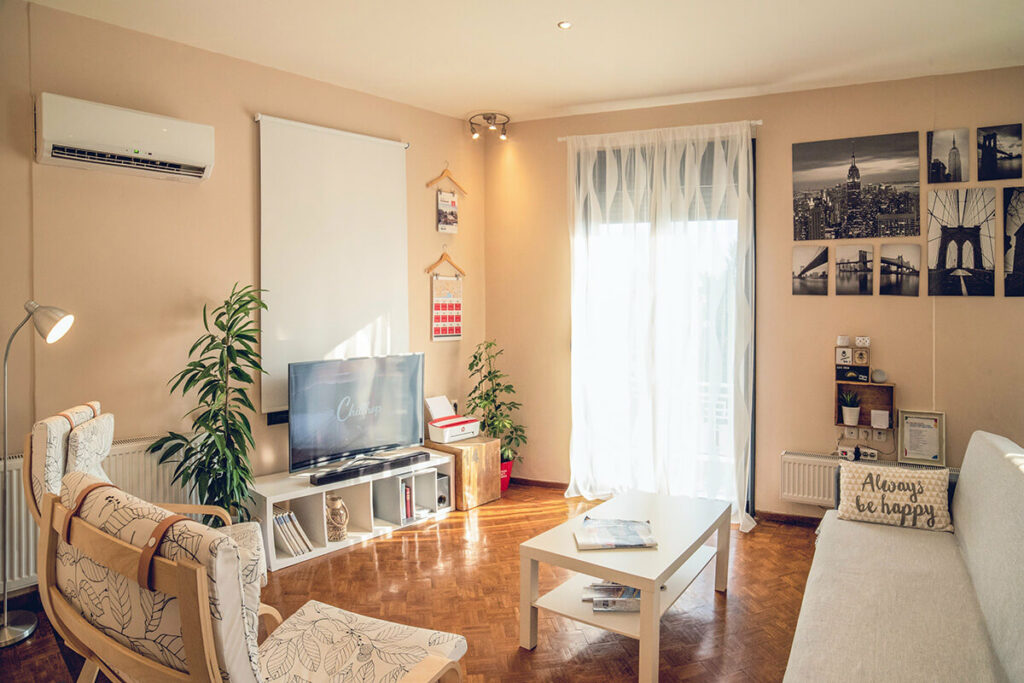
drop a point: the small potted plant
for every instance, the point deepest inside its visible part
(488, 400)
(850, 403)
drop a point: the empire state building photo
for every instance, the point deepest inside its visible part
(945, 164)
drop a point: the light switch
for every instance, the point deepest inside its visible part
(865, 434)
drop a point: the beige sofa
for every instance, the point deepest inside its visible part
(884, 603)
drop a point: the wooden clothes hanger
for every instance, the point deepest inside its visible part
(445, 258)
(448, 174)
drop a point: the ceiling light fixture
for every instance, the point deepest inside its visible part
(492, 120)
(564, 25)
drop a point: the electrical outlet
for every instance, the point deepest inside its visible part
(865, 434)
(868, 453)
(850, 433)
(881, 435)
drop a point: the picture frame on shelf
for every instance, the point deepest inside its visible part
(922, 437)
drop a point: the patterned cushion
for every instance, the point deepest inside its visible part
(900, 496)
(89, 445)
(148, 621)
(50, 446)
(249, 538)
(321, 642)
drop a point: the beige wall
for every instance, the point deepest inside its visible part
(957, 355)
(136, 258)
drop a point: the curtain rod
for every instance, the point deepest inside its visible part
(759, 122)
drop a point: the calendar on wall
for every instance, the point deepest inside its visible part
(446, 301)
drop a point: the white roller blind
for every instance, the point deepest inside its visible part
(333, 255)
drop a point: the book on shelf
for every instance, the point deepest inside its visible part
(288, 533)
(407, 497)
(604, 534)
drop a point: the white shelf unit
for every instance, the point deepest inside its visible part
(373, 503)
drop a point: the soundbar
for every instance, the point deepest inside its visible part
(368, 465)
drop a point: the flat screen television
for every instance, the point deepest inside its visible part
(340, 409)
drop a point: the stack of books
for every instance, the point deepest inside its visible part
(288, 534)
(608, 596)
(603, 534)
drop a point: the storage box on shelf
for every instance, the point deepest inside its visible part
(376, 504)
(477, 465)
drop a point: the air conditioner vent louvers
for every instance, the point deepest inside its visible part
(107, 159)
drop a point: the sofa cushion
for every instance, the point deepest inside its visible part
(901, 496)
(321, 642)
(50, 447)
(147, 621)
(989, 510)
(89, 445)
(884, 603)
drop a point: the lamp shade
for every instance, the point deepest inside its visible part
(51, 322)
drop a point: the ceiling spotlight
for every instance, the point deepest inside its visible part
(564, 25)
(492, 120)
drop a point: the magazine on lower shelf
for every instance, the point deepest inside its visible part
(604, 534)
(608, 596)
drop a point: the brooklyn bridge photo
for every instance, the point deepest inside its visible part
(999, 152)
(857, 187)
(961, 242)
(810, 269)
(1013, 240)
(899, 269)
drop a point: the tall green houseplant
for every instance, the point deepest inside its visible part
(489, 400)
(213, 459)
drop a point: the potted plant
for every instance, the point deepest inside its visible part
(850, 403)
(213, 459)
(489, 401)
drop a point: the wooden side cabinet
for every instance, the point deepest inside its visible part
(476, 463)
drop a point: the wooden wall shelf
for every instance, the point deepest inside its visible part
(872, 397)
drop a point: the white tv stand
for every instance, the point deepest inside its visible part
(373, 501)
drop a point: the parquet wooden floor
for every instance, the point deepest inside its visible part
(461, 574)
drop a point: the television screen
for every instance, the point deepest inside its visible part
(342, 408)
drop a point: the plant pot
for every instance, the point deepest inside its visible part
(506, 474)
(851, 416)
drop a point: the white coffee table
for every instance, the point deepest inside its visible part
(681, 525)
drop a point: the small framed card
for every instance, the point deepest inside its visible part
(844, 355)
(922, 437)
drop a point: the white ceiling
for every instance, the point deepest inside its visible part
(463, 56)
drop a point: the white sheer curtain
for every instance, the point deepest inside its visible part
(662, 312)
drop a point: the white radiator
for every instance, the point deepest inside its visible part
(809, 478)
(129, 467)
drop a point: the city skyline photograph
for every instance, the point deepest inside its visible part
(857, 187)
(810, 269)
(999, 152)
(948, 156)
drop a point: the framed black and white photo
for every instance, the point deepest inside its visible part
(1013, 240)
(855, 265)
(961, 242)
(999, 152)
(810, 269)
(948, 160)
(922, 437)
(899, 269)
(857, 187)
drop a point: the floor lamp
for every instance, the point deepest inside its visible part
(52, 323)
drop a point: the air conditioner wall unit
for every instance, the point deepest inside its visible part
(72, 132)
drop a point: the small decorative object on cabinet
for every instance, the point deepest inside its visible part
(844, 355)
(861, 356)
(878, 376)
(337, 518)
(850, 403)
(842, 340)
(475, 463)
(863, 342)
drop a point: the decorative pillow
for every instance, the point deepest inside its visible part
(50, 444)
(900, 496)
(89, 445)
